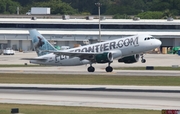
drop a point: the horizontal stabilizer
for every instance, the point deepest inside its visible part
(40, 59)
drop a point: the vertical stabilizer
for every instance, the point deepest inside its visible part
(40, 44)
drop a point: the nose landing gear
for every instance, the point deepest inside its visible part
(142, 59)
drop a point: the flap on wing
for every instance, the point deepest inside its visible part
(82, 55)
(79, 53)
(76, 53)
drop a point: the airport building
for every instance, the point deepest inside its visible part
(73, 32)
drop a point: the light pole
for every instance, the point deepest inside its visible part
(99, 5)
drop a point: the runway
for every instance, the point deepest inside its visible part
(131, 97)
(151, 60)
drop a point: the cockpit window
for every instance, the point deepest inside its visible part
(148, 38)
(152, 38)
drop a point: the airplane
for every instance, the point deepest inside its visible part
(127, 50)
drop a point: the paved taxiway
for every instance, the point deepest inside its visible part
(152, 60)
(134, 97)
(99, 96)
(82, 70)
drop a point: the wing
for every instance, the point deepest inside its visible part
(81, 55)
(91, 56)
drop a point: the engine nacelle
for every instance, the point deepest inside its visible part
(130, 59)
(104, 58)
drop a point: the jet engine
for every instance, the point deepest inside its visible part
(104, 58)
(130, 59)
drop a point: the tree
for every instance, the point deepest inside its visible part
(130, 7)
(109, 7)
(151, 15)
(8, 6)
(2, 7)
(57, 7)
(162, 6)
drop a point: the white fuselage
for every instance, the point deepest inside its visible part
(119, 48)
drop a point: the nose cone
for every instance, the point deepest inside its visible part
(158, 43)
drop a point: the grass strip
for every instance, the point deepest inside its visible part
(41, 109)
(89, 79)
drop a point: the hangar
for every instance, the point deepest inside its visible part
(14, 31)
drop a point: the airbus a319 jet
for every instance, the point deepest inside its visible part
(127, 50)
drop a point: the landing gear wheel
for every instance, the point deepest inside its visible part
(143, 60)
(109, 69)
(91, 69)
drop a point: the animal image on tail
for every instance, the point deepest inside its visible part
(40, 44)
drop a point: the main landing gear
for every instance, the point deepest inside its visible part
(92, 69)
(142, 59)
(109, 68)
